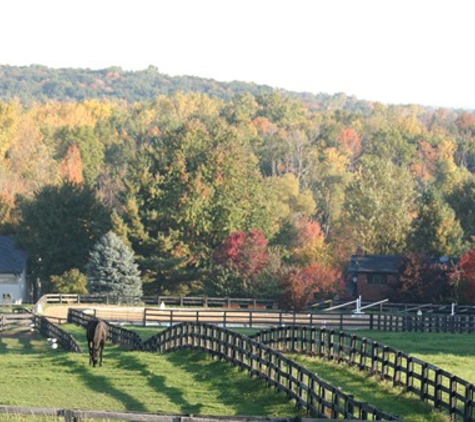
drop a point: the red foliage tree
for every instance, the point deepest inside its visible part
(303, 285)
(426, 280)
(467, 279)
(245, 252)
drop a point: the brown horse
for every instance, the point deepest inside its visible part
(97, 333)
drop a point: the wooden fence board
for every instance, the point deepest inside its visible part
(432, 384)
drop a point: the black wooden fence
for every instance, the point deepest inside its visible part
(341, 321)
(309, 391)
(64, 339)
(117, 335)
(439, 388)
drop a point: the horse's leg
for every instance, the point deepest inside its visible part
(90, 345)
(101, 348)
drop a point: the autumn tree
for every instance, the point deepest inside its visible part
(186, 193)
(239, 260)
(350, 143)
(425, 280)
(304, 241)
(301, 286)
(72, 281)
(91, 149)
(389, 144)
(465, 154)
(289, 199)
(379, 206)
(71, 166)
(436, 230)
(9, 120)
(466, 277)
(328, 179)
(462, 201)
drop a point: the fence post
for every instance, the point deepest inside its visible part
(468, 403)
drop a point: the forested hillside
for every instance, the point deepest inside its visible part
(37, 83)
(236, 190)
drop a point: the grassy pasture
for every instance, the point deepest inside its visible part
(452, 352)
(32, 374)
(191, 382)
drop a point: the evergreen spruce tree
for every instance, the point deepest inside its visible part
(111, 269)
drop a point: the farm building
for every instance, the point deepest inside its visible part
(13, 285)
(371, 276)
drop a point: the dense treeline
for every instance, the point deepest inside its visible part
(38, 83)
(257, 195)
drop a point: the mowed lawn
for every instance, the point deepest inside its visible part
(454, 353)
(32, 374)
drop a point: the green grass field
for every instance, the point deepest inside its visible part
(32, 374)
(453, 352)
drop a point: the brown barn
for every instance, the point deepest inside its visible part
(371, 276)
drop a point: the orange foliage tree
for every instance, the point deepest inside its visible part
(301, 286)
(309, 243)
(71, 166)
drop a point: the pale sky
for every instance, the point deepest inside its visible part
(404, 51)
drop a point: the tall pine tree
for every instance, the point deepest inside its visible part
(111, 269)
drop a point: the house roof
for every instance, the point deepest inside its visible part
(375, 264)
(12, 259)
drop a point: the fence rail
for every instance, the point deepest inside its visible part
(117, 335)
(206, 301)
(253, 318)
(309, 391)
(184, 301)
(69, 415)
(14, 319)
(431, 384)
(64, 339)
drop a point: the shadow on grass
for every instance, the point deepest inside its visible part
(236, 390)
(100, 383)
(132, 363)
(3, 345)
(21, 341)
(372, 390)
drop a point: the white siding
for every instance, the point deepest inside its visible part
(12, 288)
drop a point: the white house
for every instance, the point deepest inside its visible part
(13, 287)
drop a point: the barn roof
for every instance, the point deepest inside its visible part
(375, 264)
(12, 259)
